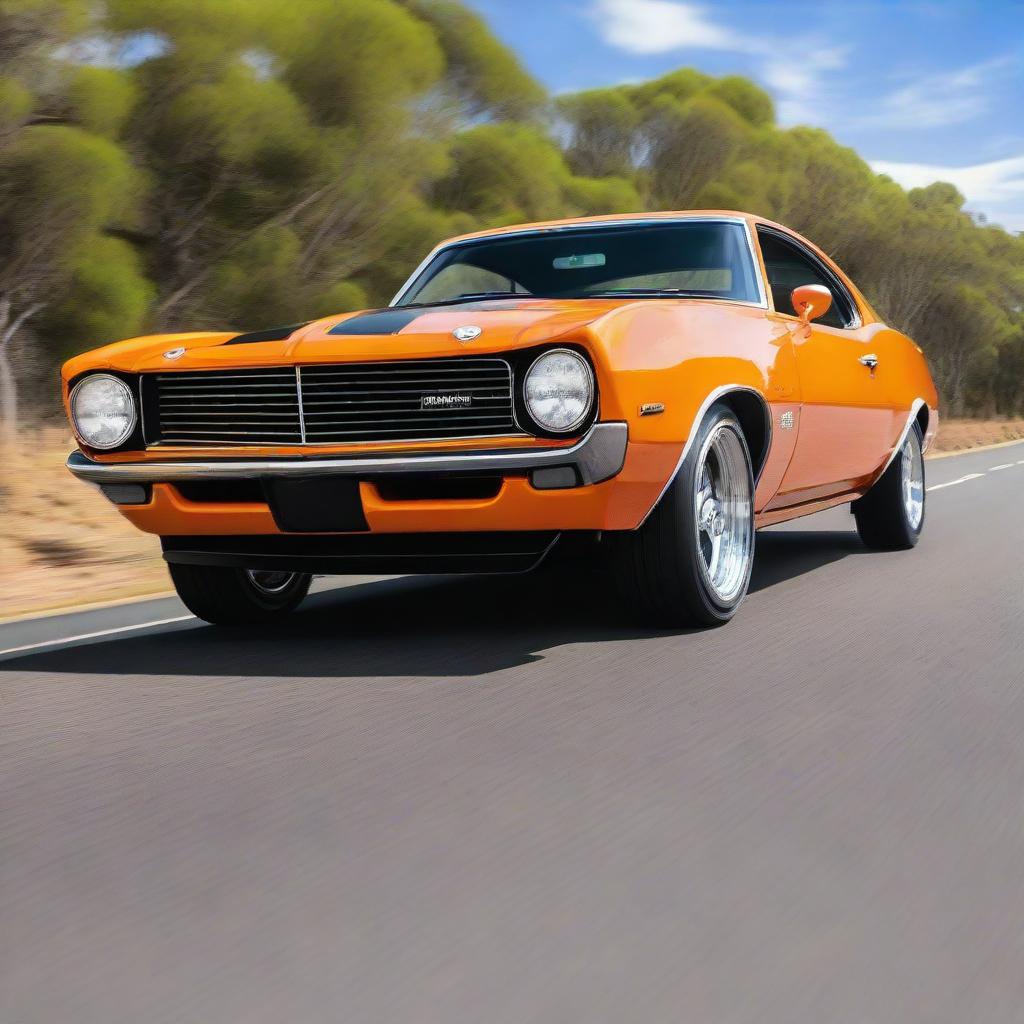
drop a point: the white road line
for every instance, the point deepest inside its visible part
(93, 636)
(1020, 462)
(1005, 465)
(959, 480)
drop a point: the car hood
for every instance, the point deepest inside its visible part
(393, 333)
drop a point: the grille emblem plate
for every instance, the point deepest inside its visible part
(467, 333)
(174, 353)
(449, 400)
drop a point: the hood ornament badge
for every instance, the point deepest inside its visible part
(468, 333)
(174, 353)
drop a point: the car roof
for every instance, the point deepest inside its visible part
(612, 218)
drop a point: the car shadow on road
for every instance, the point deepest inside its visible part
(420, 626)
(783, 555)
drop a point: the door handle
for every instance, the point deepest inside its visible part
(870, 361)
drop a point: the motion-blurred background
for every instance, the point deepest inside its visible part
(184, 164)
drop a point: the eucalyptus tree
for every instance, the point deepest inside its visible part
(64, 180)
(175, 164)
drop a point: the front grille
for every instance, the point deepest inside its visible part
(343, 403)
(414, 400)
(228, 407)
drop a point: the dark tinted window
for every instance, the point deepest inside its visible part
(702, 259)
(788, 267)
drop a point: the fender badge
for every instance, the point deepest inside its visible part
(652, 408)
(467, 333)
(786, 421)
(174, 353)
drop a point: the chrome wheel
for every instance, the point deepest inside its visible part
(724, 514)
(912, 477)
(267, 582)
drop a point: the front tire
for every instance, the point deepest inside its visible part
(690, 562)
(236, 597)
(890, 517)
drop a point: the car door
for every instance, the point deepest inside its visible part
(846, 420)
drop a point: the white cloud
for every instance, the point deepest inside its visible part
(800, 71)
(996, 181)
(660, 26)
(644, 27)
(996, 188)
(799, 83)
(937, 100)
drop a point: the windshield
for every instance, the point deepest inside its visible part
(706, 259)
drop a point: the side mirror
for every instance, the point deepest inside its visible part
(811, 301)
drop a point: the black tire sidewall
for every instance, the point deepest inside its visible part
(226, 596)
(883, 520)
(286, 598)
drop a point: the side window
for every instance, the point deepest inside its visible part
(788, 268)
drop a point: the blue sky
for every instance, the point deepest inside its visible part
(922, 90)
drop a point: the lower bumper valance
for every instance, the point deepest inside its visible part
(369, 554)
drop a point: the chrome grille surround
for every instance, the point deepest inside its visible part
(336, 404)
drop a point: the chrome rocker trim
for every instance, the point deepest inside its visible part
(598, 455)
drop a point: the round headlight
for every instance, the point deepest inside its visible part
(559, 390)
(102, 411)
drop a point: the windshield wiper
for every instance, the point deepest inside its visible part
(672, 293)
(614, 293)
(470, 297)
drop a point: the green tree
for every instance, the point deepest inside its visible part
(59, 189)
(259, 162)
(63, 180)
(299, 156)
(484, 77)
(603, 127)
(511, 173)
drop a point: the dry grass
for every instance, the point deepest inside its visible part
(959, 435)
(63, 544)
(61, 541)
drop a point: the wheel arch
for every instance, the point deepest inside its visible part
(922, 419)
(919, 414)
(754, 417)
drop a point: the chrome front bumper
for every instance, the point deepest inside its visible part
(597, 456)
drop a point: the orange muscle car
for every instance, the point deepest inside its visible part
(650, 389)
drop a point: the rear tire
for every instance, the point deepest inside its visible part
(689, 563)
(890, 517)
(236, 597)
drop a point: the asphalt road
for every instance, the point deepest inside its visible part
(495, 801)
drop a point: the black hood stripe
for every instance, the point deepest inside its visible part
(270, 334)
(391, 321)
(379, 321)
(375, 321)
